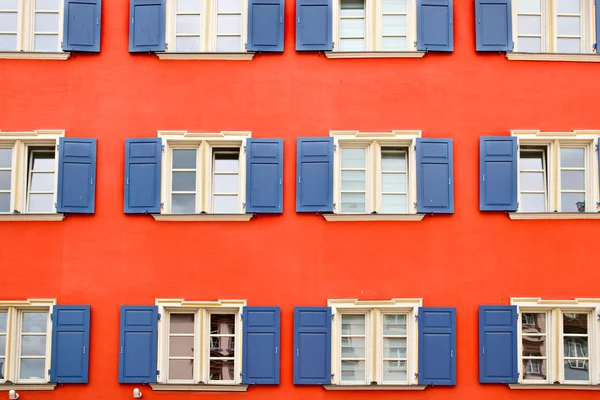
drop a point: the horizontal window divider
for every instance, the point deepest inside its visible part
(200, 387)
(374, 387)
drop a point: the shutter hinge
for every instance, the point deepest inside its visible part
(518, 375)
(518, 204)
(483, 350)
(281, 20)
(157, 372)
(241, 316)
(598, 316)
(55, 205)
(127, 181)
(243, 205)
(299, 179)
(132, 20)
(482, 178)
(512, 48)
(335, 147)
(416, 315)
(57, 146)
(416, 374)
(517, 314)
(298, 20)
(97, 21)
(49, 371)
(332, 316)
(163, 147)
(51, 316)
(244, 148)
(332, 45)
(332, 376)
(595, 46)
(596, 147)
(159, 314)
(162, 205)
(246, 46)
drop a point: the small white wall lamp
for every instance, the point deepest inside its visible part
(12, 395)
(137, 394)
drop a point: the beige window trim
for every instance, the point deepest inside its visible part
(374, 387)
(373, 217)
(206, 56)
(552, 57)
(202, 217)
(25, 55)
(552, 215)
(198, 388)
(27, 387)
(375, 54)
(554, 387)
(31, 217)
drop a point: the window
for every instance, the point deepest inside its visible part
(195, 26)
(204, 175)
(553, 26)
(31, 26)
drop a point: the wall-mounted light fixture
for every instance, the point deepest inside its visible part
(137, 394)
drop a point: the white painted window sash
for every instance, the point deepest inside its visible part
(213, 148)
(411, 25)
(544, 170)
(369, 175)
(13, 170)
(197, 351)
(237, 348)
(381, 348)
(550, 363)
(592, 348)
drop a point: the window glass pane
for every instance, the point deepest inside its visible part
(45, 4)
(352, 44)
(9, 21)
(532, 181)
(5, 177)
(42, 182)
(41, 203)
(189, 5)
(393, 182)
(394, 371)
(577, 370)
(33, 345)
(534, 369)
(188, 24)
(393, 161)
(352, 27)
(225, 205)
(353, 347)
(33, 368)
(533, 323)
(2, 345)
(5, 202)
(568, 6)
(182, 323)
(572, 180)
(183, 203)
(181, 369)
(575, 323)
(529, 25)
(569, 26)
(46, 22)
(393, 44)
(8, 42)
(531, 160)
(229, 44)
(186, 44)
(184, 158)
(572, 158)
(46, 43)
(393, 203)
(184, 181)
(3, 321)
(181, 346)
(353, 324)
(394, 348)
(569, 45)
(35, 322)
(229, 6)
(533, 202)
(394, 324)
(530, 45)
(353, 180)
(221, 370)
(222, 346)
(576, 347)
(5, 158)
(394, 6)
(529, 6)
(43, 161)
(229, 24)
(353, 370)
(353, 158)
(353, 8)
(353, 202)
(534, 346)
(572, 202)
(226, 184)
(229, 164)
(394, 24)
(9, 4)
(222, 324)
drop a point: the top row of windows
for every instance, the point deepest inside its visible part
(337, 26)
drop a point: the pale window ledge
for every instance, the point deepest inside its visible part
(5, 387)
(374, 387)
(375, 54)
(202, 217)
(552, 57)
(32, 217)
(25, 55)
(555, 387)
(553, 215)
(373, 217)
(206, 56)
(198, 388)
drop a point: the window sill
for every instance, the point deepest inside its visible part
(552, 57)
(552, 215)
(5, 387)
(373, 217)
(375, 54)
(206, 56)
(199, 388)
(32, 217)
(202, 217)
(374, 387)
(555, 387)
(13, 55)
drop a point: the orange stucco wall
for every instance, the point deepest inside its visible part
(462, 260)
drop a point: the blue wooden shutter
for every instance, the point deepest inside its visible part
(313, 25)
(70, 344)
(143, 159)
(493, 25)
(435, 30)
(260, 355)
(498, 344)
(265, 25)
(139, 344)
(498, 173)
(81, 28)
(314, 175)
(437, 346)
(264, 176)
(435, 176)
(76, 176)
(147, 25)
(312, 345)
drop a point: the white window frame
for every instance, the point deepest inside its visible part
(374, 311)
(21, 142)
(373, 25)
(15, 310)
(202, 311)
(544, 152)
(549, 37)
(553, 141)
(205, 144)
(26, 26)
(554, 310)
(374, 142)
(208, 32)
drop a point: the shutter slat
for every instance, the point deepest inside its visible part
(139, 344)
(81, 26)
(498, 344)
(312, 345)
(265, 25)
(264, 176)
(147, 25)
(76, 176)
(143, 159)
(435, 176)
(493, 20)
(70, 344)
(314, 175)
(261, 349)
(437, 346)
(435, 28)
(498, 173)
(313, 25)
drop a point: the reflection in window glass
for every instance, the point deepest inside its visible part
(572, 179)
(183, 181)
(352, 25)
(181, 347)
(535, 346)
(532, 170)
(5, 179)
(395, 357)
(575, 347)
(353, 180)
(393, 182)
(222, 347)
(226, 181)
(353, 337)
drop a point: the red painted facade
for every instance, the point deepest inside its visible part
(462, 260)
